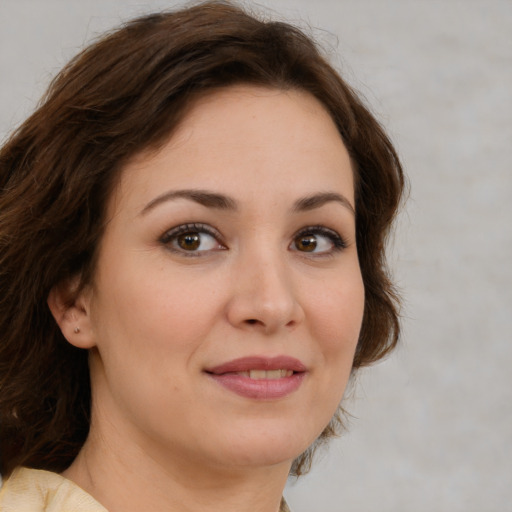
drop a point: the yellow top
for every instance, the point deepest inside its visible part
(34, 490)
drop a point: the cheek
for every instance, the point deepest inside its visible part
(148, 328)
(338, 315)
(152, 326)
(153, 308)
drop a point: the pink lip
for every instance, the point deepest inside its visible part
(244, 364)
(261, 389)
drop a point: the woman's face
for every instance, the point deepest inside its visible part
(228, 299)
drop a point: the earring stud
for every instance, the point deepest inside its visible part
(77, 330)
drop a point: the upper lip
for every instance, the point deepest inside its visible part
(244, 364)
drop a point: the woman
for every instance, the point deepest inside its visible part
(192, 231)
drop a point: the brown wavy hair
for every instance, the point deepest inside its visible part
(126, 93)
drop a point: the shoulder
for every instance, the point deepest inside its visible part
(33, 490)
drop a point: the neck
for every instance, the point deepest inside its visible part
(132, 476)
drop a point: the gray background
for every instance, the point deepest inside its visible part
(432, 425)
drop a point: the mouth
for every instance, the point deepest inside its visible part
(260, 378)
(265, 374)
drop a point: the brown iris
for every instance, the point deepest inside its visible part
(306, 243)
(189, 241)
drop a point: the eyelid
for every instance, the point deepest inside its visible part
(190, 227)
(339, 242)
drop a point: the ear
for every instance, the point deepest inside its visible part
(71, 310)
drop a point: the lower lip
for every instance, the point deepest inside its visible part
(260, 389)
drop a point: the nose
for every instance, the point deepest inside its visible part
(265, 295)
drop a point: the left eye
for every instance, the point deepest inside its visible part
(319, 240)
(191, 239)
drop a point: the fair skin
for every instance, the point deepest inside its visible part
(261, 263)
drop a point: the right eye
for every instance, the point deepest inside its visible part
(192, 239)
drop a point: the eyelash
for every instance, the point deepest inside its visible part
(338, 242)
(169, 236)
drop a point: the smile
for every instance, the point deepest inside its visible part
(266, 374)
(260, 378)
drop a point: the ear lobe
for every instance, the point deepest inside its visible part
(72, 313)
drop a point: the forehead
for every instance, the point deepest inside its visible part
(244, 139)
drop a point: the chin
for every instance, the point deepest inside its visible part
(267, 447)
(257, 458)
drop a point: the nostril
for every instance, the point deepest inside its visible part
(252, 321)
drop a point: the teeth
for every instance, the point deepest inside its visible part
(266, 374)
(259, 374)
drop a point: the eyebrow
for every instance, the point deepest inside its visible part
(223, 202)
(317, 200)
(203, 197)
